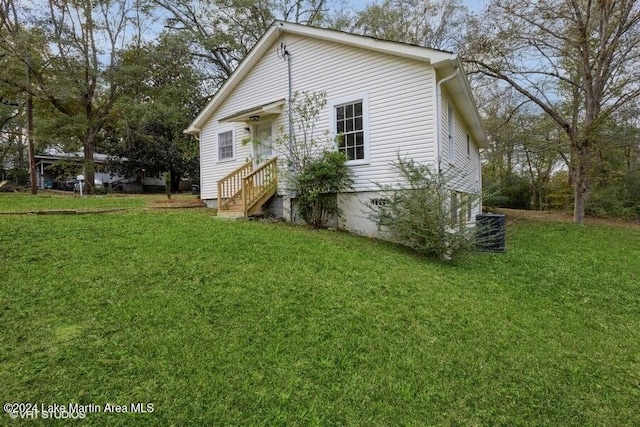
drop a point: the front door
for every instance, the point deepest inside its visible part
(263, 146)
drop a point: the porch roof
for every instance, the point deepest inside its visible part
(271, 108)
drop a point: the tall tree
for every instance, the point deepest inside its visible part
(308, 12)
(161, 95)
(575, 59)
(88, 35)
(439, 24)
(16, 56)
(221, 33)
(526, 145)
(616, 170)
(12, 68)
(541, 146)
(75, 68)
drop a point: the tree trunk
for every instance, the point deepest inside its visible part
(175, 181)
(578, 206)
(20, 146)
(580, 180)
(89, 166)
(32, 158)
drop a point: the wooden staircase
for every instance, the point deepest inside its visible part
(243, 192)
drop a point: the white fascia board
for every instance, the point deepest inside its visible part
(423, 54)
(418, 53)
(459, 89)
(236, 77)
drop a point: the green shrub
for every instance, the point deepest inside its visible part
(425, 214)
(513, 191)
(317, 186)
(620, 199)
(560, 196)
(101, 190)
(315, 172)
(20, 177)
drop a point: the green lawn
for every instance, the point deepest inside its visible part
(58, 200)
(248, 323)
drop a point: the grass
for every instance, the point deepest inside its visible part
(58, 200)
(248, 323)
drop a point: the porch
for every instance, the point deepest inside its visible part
(244, 191)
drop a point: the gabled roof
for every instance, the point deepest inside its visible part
(441, 60)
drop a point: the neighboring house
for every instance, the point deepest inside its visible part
(5, 165)
(48, 177)
(385, 98)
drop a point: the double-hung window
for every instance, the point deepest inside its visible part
(461, 208)
(225, 146)
(350, 122)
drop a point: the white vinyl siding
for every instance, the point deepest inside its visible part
(212, 168)
(451, 135)
(400, 102)
(462, 156)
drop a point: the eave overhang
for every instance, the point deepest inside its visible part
(269, 109)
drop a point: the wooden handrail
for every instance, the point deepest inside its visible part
(258, 184)
(231, 185)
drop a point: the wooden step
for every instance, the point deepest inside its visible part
(232, 208)
(230, 214)
(258, 186)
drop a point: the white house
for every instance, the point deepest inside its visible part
(385, 98)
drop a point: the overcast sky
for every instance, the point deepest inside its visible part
(475, 5)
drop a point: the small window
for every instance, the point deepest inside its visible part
(468, 146)
(225, 145)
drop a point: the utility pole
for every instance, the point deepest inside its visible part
(32, 158)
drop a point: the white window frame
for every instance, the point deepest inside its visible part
(333, 104)
(461, 208)
(226, 129)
